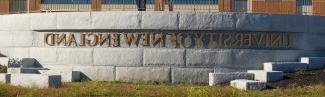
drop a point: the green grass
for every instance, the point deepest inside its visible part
(118, 89)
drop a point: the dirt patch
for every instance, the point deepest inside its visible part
(305, 78)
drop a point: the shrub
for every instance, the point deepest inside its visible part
(3, 69)
(300, 71)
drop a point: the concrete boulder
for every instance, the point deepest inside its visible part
(219, 78)
(267, 76)
(285, 66)
(248, 84)
(314, 62)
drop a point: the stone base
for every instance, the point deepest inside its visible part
(267, 76)
(190, 75)
(36, 80)
(218, 78)
(248, 84)
(284, 66)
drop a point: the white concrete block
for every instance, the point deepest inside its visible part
(160, 20)
(67, 75)
(73, 20)
(116, 20)
(227, 70)
(43, 21)
(155, 74)
(17, 70)
(248, 84)
(28, 70)
(164, 57)
(219, 78)
(97, 73)
(267, 76)
(44, 55)
(4, 78)
(36, 80)
(118, 56)
(66, 71)
(191, 75)
(284, 66)
(75, 56)
(314, 62)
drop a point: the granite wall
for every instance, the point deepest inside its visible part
(22, 36)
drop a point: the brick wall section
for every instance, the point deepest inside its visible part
(319, 7)
(96, 5)
(4, 6)
(225, 5)
(274, 6)
(34, 5)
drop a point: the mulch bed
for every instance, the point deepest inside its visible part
(305, 78)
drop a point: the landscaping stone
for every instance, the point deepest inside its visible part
(244, 84)
(314, 62)
(285, 66)
(267, 76)
(218, 78)
(36, 80)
